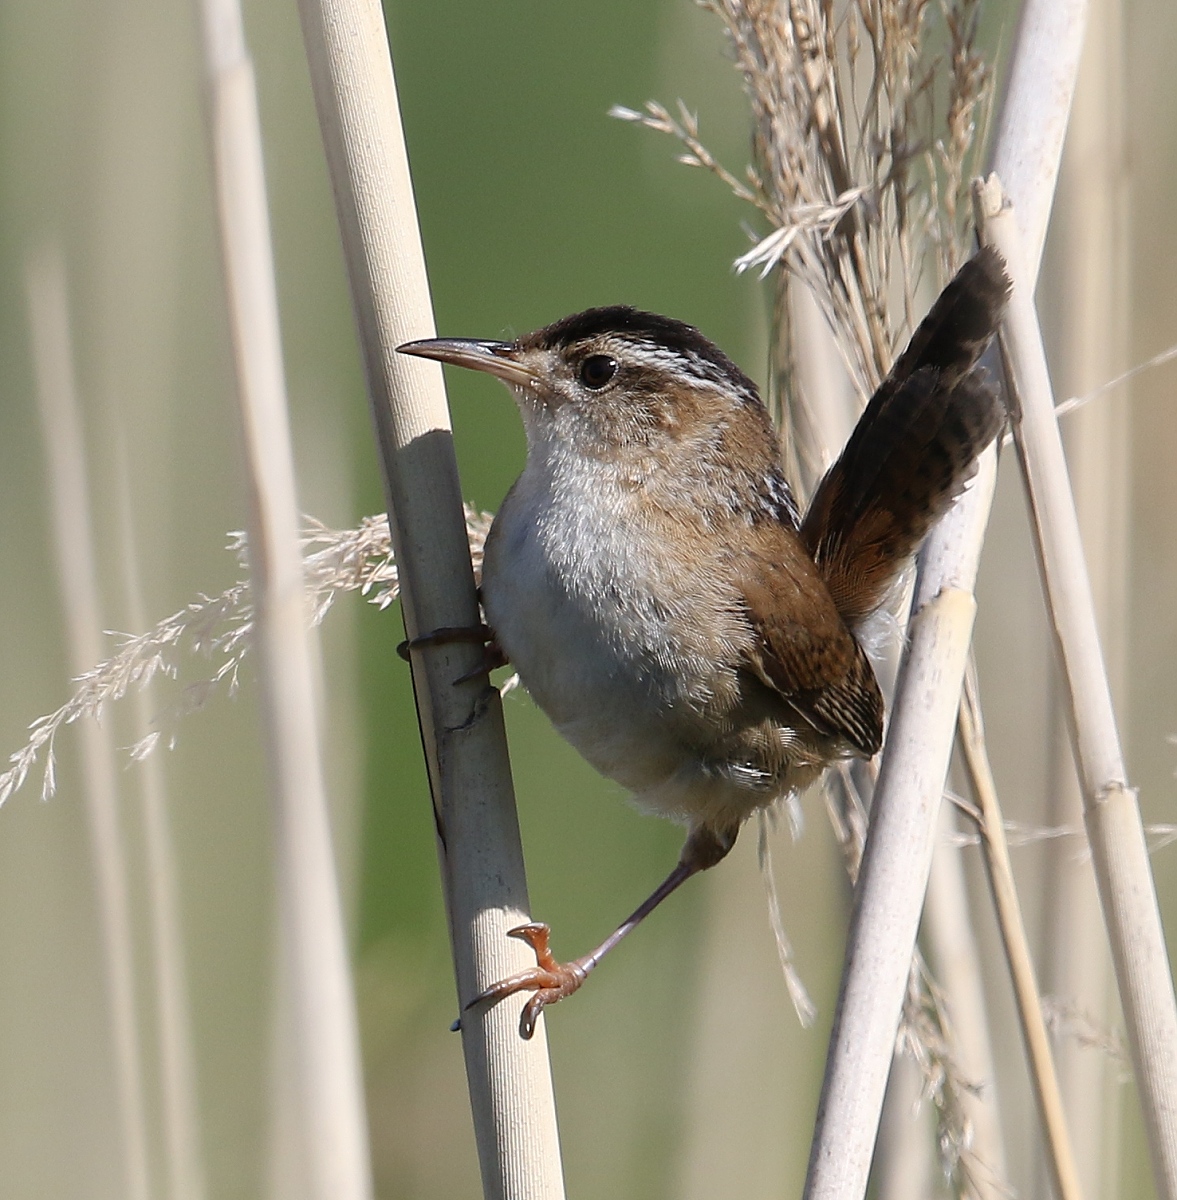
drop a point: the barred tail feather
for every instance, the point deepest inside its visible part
(914, 448)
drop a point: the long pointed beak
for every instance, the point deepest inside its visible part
(495, 358)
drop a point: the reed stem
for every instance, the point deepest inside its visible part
(461, 726)
(324, 1042)
(1112, 815)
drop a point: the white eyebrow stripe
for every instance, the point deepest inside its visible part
(645, 353)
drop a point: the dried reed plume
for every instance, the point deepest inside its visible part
(219, 628)
(864, 124)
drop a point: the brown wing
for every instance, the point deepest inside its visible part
(802, 649)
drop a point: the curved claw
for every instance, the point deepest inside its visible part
(444, 636)
(538, 936)
(532, 1009)
(549, 979)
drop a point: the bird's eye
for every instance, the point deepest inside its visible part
(597, 370)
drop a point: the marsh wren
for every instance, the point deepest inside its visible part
(651, 579)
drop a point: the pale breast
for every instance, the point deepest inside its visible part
(624, 632)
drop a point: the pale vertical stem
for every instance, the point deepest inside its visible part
(1060, 1156)
(831, 404)
(737, 1139)
(897, 859)
(325, 1043)
(1036, 104)
(1122, 869)
(898, 853)
(952, 944)
(179, 1110)
(1093, 320)
(74, 544)
(286, 1175)
(474, 804)
(906, 1168)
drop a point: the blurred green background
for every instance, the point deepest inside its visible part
(682, 1071)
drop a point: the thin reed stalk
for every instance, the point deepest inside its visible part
(818, 419)
(891, 883)
(1036, 107)
(905, 1164)
(991, 824)
(950, 937)
(823, 406)
(1111, 812)
(897, 860)
(183, 1158)
(462, 727)
(317, 980)
(77, 569)
(1091, 346)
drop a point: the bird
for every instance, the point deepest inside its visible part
(651, 578)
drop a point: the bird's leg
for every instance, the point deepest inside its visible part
(552, 980)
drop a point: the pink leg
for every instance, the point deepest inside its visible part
(552, 980)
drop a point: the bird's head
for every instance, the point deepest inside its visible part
(612, 378)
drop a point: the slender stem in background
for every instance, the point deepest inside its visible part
(950, 937)
(991, 825)
(325, 1043)
(462, 727)
(824, 405)
(905, 1164)
(77, 570)
(1114, 827)
(180, 1108)
(1035, 109)
(897, 860)
(1091, 345)
(742, 1126)
(880, 942)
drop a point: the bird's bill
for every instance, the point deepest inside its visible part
(495, 358)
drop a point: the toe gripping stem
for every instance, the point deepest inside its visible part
(481, 634)
(549, 979)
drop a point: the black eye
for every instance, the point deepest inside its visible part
(597, 370)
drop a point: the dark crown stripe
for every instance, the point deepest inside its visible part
(635, 325)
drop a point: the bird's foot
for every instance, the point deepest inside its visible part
(493, 656)
(444, 636)
(549, 979)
